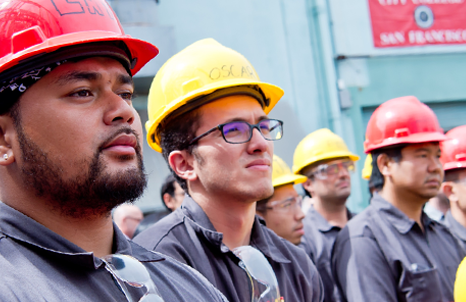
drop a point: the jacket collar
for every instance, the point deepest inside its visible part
(320, 222)
(27, 231)
(456, 228)
(260, 239)
(402, 223)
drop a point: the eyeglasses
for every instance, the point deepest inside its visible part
(264, 283)
(241, 132)
(329, 170)
(284, 206)
(127, 270)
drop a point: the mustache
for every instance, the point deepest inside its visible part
(123, 130)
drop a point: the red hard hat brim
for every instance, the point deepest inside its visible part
(417, 138)
(454, 165)
(142, 50)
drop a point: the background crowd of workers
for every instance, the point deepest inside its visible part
(235, 228)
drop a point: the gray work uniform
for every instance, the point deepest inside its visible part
(456, 228)
(39, 265)
(188, 236)
(382, 255)
(318, 239)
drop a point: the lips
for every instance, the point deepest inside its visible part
(259, 163)
(124, 144)
(433, 181)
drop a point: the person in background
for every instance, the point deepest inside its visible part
(437, 207)
(70, 152)
(392, 251)
(454, 183)
(208, 116)
(127, 217)
(325, 160)
(282, 211)
(172, 196)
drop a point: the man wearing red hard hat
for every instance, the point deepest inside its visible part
(454, 184)
(392, 251)
(70, 151)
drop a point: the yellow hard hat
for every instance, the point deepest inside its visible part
(199, 70)
(367, 170)
(460, 283)
(320, 145)
(282, 175)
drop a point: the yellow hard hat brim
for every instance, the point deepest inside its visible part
(288, 179)
(271, 92)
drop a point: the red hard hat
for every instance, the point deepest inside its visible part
(454, 149)
(403, 120)
(32, 27)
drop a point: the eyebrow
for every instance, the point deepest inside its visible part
(237, 119)
(74, 76)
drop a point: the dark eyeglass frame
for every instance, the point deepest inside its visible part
(251, 128)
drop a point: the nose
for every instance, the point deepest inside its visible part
(342, 171)
(120, 111)
(435, 165)
(258, 144)
(299, 214)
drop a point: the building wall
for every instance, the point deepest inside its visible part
(319, 51)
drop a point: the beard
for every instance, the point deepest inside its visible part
(93, 192)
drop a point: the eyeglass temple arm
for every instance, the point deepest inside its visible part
(204, 134)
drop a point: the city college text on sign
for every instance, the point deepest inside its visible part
(402, 23)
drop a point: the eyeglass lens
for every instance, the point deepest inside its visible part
(260, 272)
(241, 132)
(334, 169)
(129, 270)
(287, 204)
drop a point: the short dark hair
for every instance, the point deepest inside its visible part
(261, 205)
(453, 175)
(168, 186)
(377, 180)
(176, 134)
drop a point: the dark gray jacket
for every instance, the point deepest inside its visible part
(188, 236)
(382, 255)
(39, 265)
(318, 239)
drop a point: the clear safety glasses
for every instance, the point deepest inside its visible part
(325, 171)
(283, 206)
(129, 271)
(264, 283)
(240, 132)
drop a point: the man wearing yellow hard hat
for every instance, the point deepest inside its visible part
(208, 116)
(282, 211)
(326, 161)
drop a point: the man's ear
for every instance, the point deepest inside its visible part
(448, 189)
(168, 200)
(7, 135)
(384, 163)
(181, 163)
(309, 185)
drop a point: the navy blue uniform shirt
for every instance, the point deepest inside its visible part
(39, 265)
(382, 255)
(188, 236)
